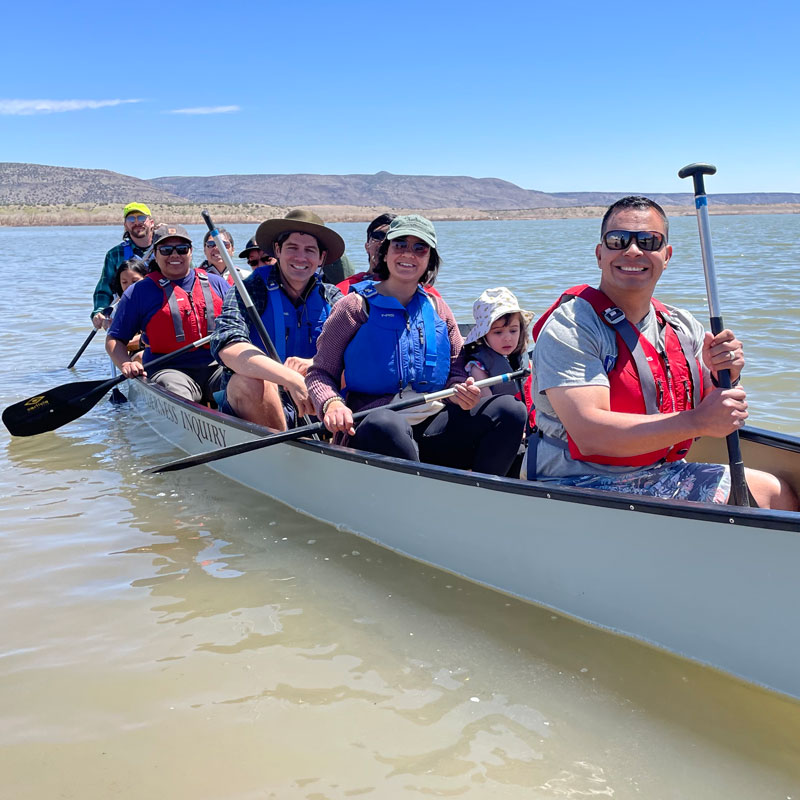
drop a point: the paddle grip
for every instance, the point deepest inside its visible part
(696, 172)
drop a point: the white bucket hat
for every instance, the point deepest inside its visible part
(490, 306)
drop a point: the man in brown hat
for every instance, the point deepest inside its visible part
(293, 303)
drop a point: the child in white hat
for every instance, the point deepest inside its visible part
(498, 341)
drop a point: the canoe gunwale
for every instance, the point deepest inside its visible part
(724, 514)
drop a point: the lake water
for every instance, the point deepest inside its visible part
(178, 636)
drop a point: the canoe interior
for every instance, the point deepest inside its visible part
(764, 450)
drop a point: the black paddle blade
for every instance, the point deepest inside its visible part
(54, 408)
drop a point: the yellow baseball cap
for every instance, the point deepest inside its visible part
(131, 207)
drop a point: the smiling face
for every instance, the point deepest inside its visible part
(212, 253)
(173, 266)
(503, 336)
(632, 272)
(140, 230)
(299, 257)
(407, 259)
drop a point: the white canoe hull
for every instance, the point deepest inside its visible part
(716, 585)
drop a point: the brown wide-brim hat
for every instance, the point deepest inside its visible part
(300, 220)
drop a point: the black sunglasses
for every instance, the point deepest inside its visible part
(645, 240)
(180, 249)
(263, 260)
(378, 236)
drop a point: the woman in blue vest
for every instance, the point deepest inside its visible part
(389, 338)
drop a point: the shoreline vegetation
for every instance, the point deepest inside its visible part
(243, 213)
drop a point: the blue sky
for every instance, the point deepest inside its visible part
(557, 96)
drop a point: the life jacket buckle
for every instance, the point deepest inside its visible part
(613, 316)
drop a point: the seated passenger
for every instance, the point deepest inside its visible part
(255, 256)
(498, 340)
(174, 306)
(391, 338)
(129, 272)
(214, 263)
(376, 234)
(137, 238)
(293, 303)
(621, 381)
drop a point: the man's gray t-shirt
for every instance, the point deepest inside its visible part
(576, 348)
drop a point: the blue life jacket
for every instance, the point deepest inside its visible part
(294, 330)
(397, 346)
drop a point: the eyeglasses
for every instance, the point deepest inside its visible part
(136, 218)
(402, 246)
(378, 236)
(180, 249)
(263, 260)
(645, 240)
(211, 244)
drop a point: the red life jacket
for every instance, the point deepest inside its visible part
(642, 381)
(183, 318)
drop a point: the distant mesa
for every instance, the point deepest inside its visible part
(37, 184)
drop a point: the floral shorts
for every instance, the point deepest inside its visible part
(676, 480)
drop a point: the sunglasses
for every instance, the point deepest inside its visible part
(211, 244)
(180, 249)
(402, 246)
(136, 218)
(256, 261)
(645, 240)
(378, 236)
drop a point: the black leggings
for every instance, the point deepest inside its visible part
(485, 439)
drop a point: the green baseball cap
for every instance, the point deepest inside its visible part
(413, 225)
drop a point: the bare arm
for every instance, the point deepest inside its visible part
(247, 360)
(118, 352)
(585, 413)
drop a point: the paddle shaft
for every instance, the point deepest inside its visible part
(255, 318)
(696, 171)
(106, 312)
(318, 427)
(156, 362)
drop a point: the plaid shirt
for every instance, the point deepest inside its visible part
(103, 294)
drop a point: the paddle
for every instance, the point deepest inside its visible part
(258, 323)
(106, 312)
(739, 489)
(318, 427)
(58, 406)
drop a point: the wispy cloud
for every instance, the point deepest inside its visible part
(28, 107)
(206, 110)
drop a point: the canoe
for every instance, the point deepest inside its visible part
(715, 584)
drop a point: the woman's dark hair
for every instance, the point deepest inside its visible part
(428, 277)
(228, 236)
(133, 264)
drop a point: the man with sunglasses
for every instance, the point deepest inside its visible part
(255, 256)
(293, 303)
(137, 239)
(623, 383)
(173, 306)
(376, 233)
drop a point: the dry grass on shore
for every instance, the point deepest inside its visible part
(189, 213)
